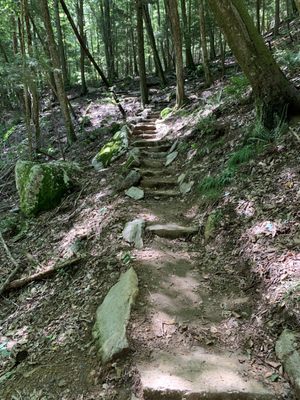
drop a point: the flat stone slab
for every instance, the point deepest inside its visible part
(197, 375)
(113, 315)
(135, 193)
(158, 182)
(286, 351)
(172, 231)
(171, 157)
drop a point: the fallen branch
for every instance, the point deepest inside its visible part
(42, 274)
(13, 261)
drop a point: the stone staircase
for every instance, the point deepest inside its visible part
(172, 297)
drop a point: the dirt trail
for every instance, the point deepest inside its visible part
(191, 314)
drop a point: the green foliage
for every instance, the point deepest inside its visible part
(242, 155)
(238, 85)
(257, 133)
(6, 134)
(216, 182)
(207, 125)
(289, 58)
(166, 112)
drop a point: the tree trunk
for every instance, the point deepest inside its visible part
(152, 42)
(60, 90)
(277, 17)
(32, 85)
(172, 8)
(205, 62)
(258, 14)
(273, 92)
(297, 2)
(80, 14)
(187, 38)
(141, 52)
(91, 58)
(61, 47)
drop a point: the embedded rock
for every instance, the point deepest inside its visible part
(171, 157)
(42, 186)
(112, 150)
(113, 315)
(133, 178)
(186, 187)
(135, 193)
(132, 232)
(286, 351)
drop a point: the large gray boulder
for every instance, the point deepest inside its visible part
(113, 315)
(42, 186)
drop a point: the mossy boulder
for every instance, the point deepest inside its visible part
(42, 186)
(10, 225)
(112, 150)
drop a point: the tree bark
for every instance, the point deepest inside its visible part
(273, 92)
(141, 52)
(80, 14)
(277, 17)
(205, 62)
(151, 37)
(59, 83)
(91, 58)
(61, 47)
(297, 2)
(172, 8)
(187, 38)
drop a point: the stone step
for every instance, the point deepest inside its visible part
(152, 192)
(141, 132)
(151, 172)
(152, 163)
(155, 149)
(197, 375)
(152, 143)
(148, 136)
(154, 154)
(172, 231)
(158, 182)
(146, 127)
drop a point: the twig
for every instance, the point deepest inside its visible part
(13, 261)
(42, 274)
(7, 172)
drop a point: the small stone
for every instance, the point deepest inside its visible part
(61, 383)
(132, 179)
(132, 232)
(186, 187)
(135, 193)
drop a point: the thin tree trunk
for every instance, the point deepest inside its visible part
(26, 97)
(91, 58)
(151, 37)
(35, 105)
(172, 8)
(80, 14)
(277, 17)
(258, 5)
(205, 63)
(187, 38)
(59, 83)
(61, 47)
(141, 52)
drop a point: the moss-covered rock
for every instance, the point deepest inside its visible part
(10, 225)
(212, 223)
(112, 150)
(42, 186)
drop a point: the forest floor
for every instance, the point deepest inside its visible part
(223, 299)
